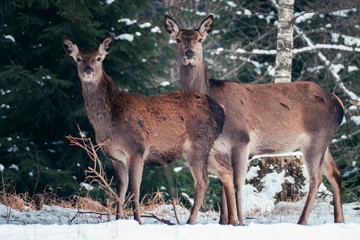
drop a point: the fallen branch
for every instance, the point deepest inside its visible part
(151, 215)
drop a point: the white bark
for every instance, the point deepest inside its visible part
(284, 45)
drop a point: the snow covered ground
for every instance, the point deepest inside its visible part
(53, 223)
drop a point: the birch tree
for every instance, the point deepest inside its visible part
(285, 42)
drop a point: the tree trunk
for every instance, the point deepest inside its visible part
(284, 45)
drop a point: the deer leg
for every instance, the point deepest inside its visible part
(224, 207)
(313, 159)
(239, 159)
(135, 175)
(198, 167)
(224, 171)
(122, 181)
(333, 174)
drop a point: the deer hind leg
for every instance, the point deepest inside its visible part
(333, 174)
(197, 160)
(239, 160)
(224, 171)
(224, 207)
(313, 156)
(122, 181)
(135, 175)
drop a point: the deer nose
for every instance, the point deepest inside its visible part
(189, 54)
(88, 70)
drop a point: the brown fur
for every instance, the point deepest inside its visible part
(150, 130)
(265, 118)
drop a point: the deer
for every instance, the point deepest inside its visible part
(269, 118)
(150, 130)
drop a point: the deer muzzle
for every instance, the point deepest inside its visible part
(88, 71)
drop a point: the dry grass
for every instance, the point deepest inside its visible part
(94, 174)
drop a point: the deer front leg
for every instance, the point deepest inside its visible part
(122, 181)
(198, 169)
(135, 175)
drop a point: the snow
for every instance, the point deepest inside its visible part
(145, 25)
(201, 13)
(9, 37)
(231, 4)
(350, 41)
(156, 29)
(344, 13)
(302, 17)
(355, 119)
(127, 21)
(352, 68)
(61, 223)
(2, 168)
(164, 84)
(13, 166)
(125, 36)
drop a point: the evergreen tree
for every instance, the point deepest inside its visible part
(41, 98)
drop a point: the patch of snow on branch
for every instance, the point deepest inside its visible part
(127, 21)
(326, 46)
(15, 167)
(302, 17)
(247, 12)
(178, 169)
(352, 68)
(125, 36)
(240, 50)
(350, 41)
(145, 25)
(109, 1)
(156, 29)
(87, 186)
(264, 52)
(164, 84)
(201, 13)
(231, 4)
(344, 13)
(9, 37)
(335, 37)
(355, 119)
(188, 198)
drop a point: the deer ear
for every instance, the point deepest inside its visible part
(206, 26)
(69, 47)
(171, 27)
(106, 46)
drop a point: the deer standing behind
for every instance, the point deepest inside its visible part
(264, 119)
(150, 130)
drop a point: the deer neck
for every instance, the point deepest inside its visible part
(195, 78)
(98, 97)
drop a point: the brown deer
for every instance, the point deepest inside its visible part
(264, 118)
(150, 130)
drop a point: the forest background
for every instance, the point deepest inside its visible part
(40, 93)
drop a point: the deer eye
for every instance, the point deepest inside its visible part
(98, 59)
(200, 40)
(178, 40)
(78, 60)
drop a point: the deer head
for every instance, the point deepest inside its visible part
(89, 60)
(189, 42)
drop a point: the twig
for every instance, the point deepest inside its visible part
(176, 217)
(151, 215)
(95, 173)
(83, 212)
